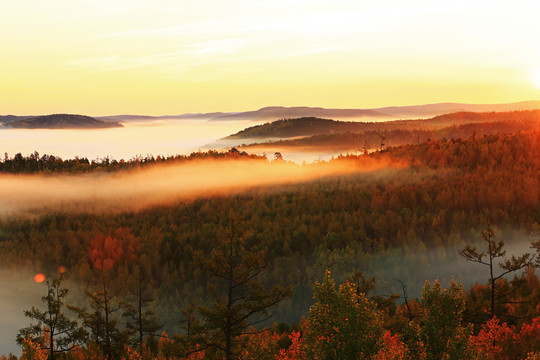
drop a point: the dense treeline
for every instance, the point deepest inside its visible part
(346, 222)
(390, 224)
(33, 163)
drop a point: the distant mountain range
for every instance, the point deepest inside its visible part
(144, 118)
(280, 112)
(61, 121)
(431, 110)
(272, 113)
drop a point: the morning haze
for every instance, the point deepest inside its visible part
(255, 179)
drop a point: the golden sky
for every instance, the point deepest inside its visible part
(106, 57)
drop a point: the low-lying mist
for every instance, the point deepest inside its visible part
(161, 137)
(160, 184)
(19, 292)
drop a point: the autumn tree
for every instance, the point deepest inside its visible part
(443, 331)
(367, 285)
(53, 330)
(490, 258)
(386, 305)
(240, 299)
(342, 324)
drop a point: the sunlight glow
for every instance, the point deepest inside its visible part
(188, 56)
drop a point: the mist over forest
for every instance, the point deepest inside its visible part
(158, 225)
(269, 180)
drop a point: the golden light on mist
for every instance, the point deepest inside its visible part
(39, 278)
(160, 185)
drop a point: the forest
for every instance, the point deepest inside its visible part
(393, 263)
(314, 134)
(62, 121)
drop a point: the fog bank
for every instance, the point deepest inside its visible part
(159, 184)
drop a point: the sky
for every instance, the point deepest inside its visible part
(158, 57)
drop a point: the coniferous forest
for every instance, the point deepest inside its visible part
(430, 256)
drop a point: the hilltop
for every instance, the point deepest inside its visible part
(309, 126)
(63, 121)
(324, 134)
(286, 128)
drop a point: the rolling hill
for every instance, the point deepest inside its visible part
(385, 113)
(309, 126)
(63, 121)
(314, 134)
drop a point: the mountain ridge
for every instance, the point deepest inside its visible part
(279, 112)
(62, 121)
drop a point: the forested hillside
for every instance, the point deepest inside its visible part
(314, 135)
(62, 121)
(403, 223)
(381, 139)
(309, 126)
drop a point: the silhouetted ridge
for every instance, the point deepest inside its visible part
(63, 121)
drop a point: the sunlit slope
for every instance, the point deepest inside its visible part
(324, 134)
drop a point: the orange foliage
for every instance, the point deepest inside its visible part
(494, 340)
(132, 355)
(33, 351)
(529, 336)
(498, 341)
(259, 345)
(9, 357)
(293, 352)
(393, 348)
(104, 252)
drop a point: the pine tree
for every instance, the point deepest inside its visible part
(141, 320)
(489, 259)
(102, 322)
(53, 330)
(240, 299)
